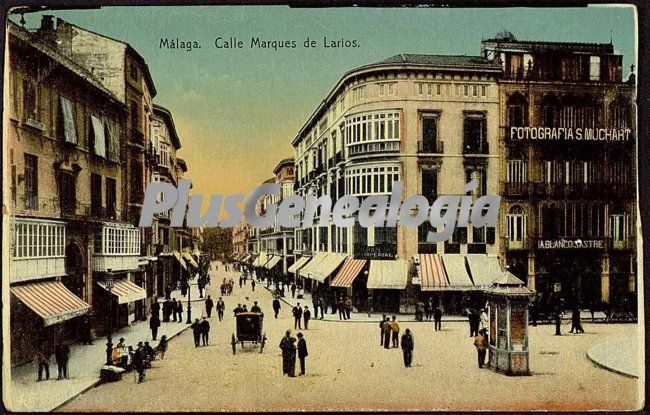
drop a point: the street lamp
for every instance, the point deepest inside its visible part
(109, 282)
(189, 298)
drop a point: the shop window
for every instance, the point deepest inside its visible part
(31, 182)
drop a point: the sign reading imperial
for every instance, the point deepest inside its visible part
(568, 244)
(570, 134)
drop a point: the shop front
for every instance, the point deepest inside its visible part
(387, 280)
(350, 281)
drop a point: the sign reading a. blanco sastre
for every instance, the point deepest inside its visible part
(571, 244)
(569, 134)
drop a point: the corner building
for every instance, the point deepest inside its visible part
(569, 205)
(429, 121)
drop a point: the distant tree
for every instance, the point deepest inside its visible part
(217, 242)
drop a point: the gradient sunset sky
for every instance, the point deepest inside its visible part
(236, 111)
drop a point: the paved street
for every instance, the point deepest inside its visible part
(347, 370)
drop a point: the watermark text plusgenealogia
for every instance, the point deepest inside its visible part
(445, 214)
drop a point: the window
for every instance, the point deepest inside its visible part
(114, 240)
(619, 114)
(97, 136)
(68, 192)
(164, 157)
(517, 111)
(420, 88)
(438, 91)
(479, 176)
(134, 71)
(516, 224)
(429, 133)
(475, 133)
(30, 107)
(594, 68)
(483, 91)
(135, 116)
(474, 90)
(550, 105)
(371, 128)
(31, 182)
(516, 171)
(38, 239)
(466, 90)
(95, 194)
(111, 196)
(430, 185)
(66, 121)
(618, 227)
(370, 180)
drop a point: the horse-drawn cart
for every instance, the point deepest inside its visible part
(249, 329)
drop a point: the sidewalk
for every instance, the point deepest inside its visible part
(620, 356)
(375, 317)
(26, 394)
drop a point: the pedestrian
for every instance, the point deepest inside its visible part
(276, 306)
(255, 308)
(238, 309)
(205, 331)
(241, 281)
(348, 307)
(172, 309)
(558, 321)
(162, 346)
(196, 330)
(480, 342)
(86, 334)
(200, 284)
(473, 319)
(314, 300)
(297, 316)
(427, 310)
(43, 360)
(394, 327)
(407, 347)
(154, 323)
(575, 322)
(484, 320)
(307, 317)
(209, 305)
(138, 362)
(437, 318)
(381, 330)
(293, 290)
(387, 332)
(168, 292)
(155, 308)
(179, 311)
(288, 348)
(302, 351)
(221, 307)
(253, 285)
(149, 354)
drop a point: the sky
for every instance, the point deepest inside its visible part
(237, 110)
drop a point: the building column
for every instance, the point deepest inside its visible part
(604, 279)
(631, 287)
(531, 271)
(284, 254)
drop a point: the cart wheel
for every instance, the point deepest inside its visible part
(263, 342)
(233, 342)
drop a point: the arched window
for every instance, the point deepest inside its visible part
(550, 107)
(577, 112)
(517, 110)
(516, 226)
(619, 113)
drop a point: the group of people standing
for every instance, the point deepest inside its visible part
(61, 355)
(389, 333)
(300, 315)
(289, 351)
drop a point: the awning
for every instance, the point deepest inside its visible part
(51, 300)
(125, 290)
(308, 270)
(388, 274)
(457, 272)
(432, 273)
(275, 259)
(301, 262)
(99, 141)
(328, 266)
(348, 272)
(260, 260)
(484, 269)
(177, 255)
(188, 257)
(246, 257)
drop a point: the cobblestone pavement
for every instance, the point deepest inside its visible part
(348, 370)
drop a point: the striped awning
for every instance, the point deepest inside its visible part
(457, 272)
(388, 274)
(484, 269)
(348, 272)
(432, 273)
(125, 290)
(51, 300)
(260, 260)
(313, 266)
(275, 259)
(190, 260)
(178, 257)
(328, 266)
(301, 262)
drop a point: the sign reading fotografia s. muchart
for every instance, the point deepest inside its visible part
(571, 134)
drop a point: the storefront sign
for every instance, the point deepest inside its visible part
(571, 244)
(570, 134)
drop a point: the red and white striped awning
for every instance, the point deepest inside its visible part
(432, 273)
(125, 290)
(348, 272)
(51, 300)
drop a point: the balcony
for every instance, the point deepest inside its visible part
(336, 159)
(472, 148)
(572, 190)
(436, 147)
(318, 170)
(374, 147)
(511, 245)
(137, 138)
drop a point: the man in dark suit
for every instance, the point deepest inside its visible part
(62, 355)
(221, 306)
(297, 317)
(407, 347)
(255, 308)
(179, 311)
(209, 305)
(205, 330)
(196, 331)
(302, 352)
(307, 317)
(276, 306)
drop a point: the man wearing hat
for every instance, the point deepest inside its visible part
(480, 342)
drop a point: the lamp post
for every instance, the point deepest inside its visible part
(109, 283)
(189, 298)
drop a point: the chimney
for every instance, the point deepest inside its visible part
(47, 31)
